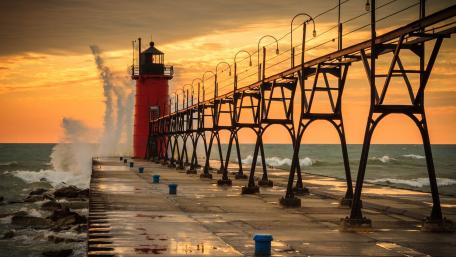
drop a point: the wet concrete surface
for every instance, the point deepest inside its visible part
(131, 216)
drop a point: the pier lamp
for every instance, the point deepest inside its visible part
(235, 66)
(187, 94)
(193, 81)
(264, 59)
(304, 27)
(204, 76)
(176, 99)
(183, 96)
(216, 72)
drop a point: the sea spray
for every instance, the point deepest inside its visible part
(118, 87)
(71, 158)
(107, 140)
(73, 154)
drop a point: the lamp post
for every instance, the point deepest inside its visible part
(183, 98)
(314, 33)
(216, 72)
(188, 95)
(235, 66)
(264, 54)
(176, 99)
(204, 76)
(198, 92)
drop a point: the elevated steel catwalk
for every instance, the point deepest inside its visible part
(195, 120)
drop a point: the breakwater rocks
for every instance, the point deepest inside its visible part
(57, 217)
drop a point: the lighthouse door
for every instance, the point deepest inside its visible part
(152, 149)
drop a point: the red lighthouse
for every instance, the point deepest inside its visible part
(151, 77)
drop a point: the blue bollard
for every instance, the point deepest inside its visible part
(141, 169)
(172, 189)
(156, 179)
(262, 244)
(120, 158)
(125, 161)
(132, 164)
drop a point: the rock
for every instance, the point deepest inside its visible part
(84, 193)
(58, 253)
(31, 221)
(66, 217)
(33, 198)
(20, 213)
(49, 196)
(70, 192)
(38, 191)
(9, 234)
(1, 199)
(15, 201)
(76, 204)
(56, 239)
(51, 206)
(81, 228)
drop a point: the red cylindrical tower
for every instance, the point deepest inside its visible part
(151, 78)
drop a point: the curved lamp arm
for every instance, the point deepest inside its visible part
(314, 32)
(204, 76)
(193, 81)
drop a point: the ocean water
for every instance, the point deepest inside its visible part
(24, 167)
(397, 165)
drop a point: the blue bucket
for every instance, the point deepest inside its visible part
(156, 179)
(141, 169)
(172, 189)
(262, 244)
(125, 161)
(132, 164)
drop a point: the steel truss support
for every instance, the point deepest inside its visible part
(239, 175)
(338, 70)
(277, 93)
(414, 109)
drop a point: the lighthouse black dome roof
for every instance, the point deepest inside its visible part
(152, 49)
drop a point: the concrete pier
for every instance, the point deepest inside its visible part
(131, 216)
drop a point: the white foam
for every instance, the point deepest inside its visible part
(279, 162)
(413, 156)
(383, 159)
(55, 178)
(417, 182)
(32, 212)
(8, 163)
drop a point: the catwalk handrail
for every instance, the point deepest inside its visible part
(414, 26)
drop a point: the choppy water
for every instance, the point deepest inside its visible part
(24, 167)
(398, 165)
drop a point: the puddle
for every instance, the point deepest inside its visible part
(150, 216)
(150, 250)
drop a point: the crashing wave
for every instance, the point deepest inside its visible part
(13, 163)
(279, 162)
(414, 156)
(53, 177)
(383, 159)
(416, 182)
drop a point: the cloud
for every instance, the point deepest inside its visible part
(61, 26)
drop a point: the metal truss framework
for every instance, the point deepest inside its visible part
(250, 107)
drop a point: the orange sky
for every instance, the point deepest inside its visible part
(39, 88)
